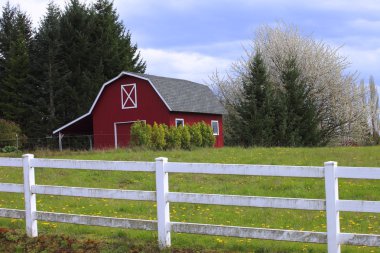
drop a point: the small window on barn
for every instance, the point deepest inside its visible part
(179, 122)
(215, 127)
(128, 96)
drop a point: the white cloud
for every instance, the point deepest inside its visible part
(365, 61)
(365, 24)
(354, 5)
(231, 49)
(36, 9)
(348, 5)
(197, 59)
(325, 5)
(144, 7)
(187, 65)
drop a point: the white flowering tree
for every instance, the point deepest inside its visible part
(339, 100)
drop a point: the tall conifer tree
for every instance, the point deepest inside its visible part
(256, 108)
(53, 77)
(301, 118)
(15, 85)
(95, 49)
(75, 36)
(50, 71)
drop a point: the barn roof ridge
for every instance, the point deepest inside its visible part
(178, 95)
(167, 77)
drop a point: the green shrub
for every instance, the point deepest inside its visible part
(8, 149)
(10, 134)
(148, 136)
(166, 130)
(163, 129)
(195, 135)
(173, 138)
(158, 137)
(185, 137)
(141, 134)
(208, 138)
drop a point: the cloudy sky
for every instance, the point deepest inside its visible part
(191, 38)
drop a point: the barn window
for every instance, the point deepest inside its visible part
(215, 127)
(179, 122)
(128, 96)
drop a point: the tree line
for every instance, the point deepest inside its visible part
(291, 90)
(51, 74)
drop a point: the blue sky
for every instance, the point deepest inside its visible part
(191, 38)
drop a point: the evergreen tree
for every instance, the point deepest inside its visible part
(132, 60)
(53, 77)
(300, 119)
(95, 48)
(256, 106)
(7, 34)
(112, 45)
(16, 90)
(76, 51)
(50, 72)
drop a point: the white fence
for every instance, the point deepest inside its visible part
(331, 172)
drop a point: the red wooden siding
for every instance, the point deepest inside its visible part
(191, 118)
(108, 110)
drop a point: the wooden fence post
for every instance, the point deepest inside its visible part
(163, 215)
(30, 198)
(332, 213)
(60, 136)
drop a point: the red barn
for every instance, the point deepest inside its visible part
(132, 97)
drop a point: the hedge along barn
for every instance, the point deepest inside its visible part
(131, 97)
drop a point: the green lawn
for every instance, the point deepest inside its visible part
(218, 184)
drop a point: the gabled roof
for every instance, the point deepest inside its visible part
(185, 96)
(178, 95)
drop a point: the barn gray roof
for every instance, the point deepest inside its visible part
(185, 96)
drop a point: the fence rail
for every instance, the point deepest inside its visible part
(332, 205)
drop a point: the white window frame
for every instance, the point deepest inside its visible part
(123, 93)
(217, 126)
(179, 119)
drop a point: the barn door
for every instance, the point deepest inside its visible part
(123, 134)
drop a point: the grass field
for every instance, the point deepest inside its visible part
(120, 240)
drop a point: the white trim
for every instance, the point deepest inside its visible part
(123, 122)
(123, 92)
(115, 133)
(101, 91)
(72, 122)
(183, 121)
(217, 124)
